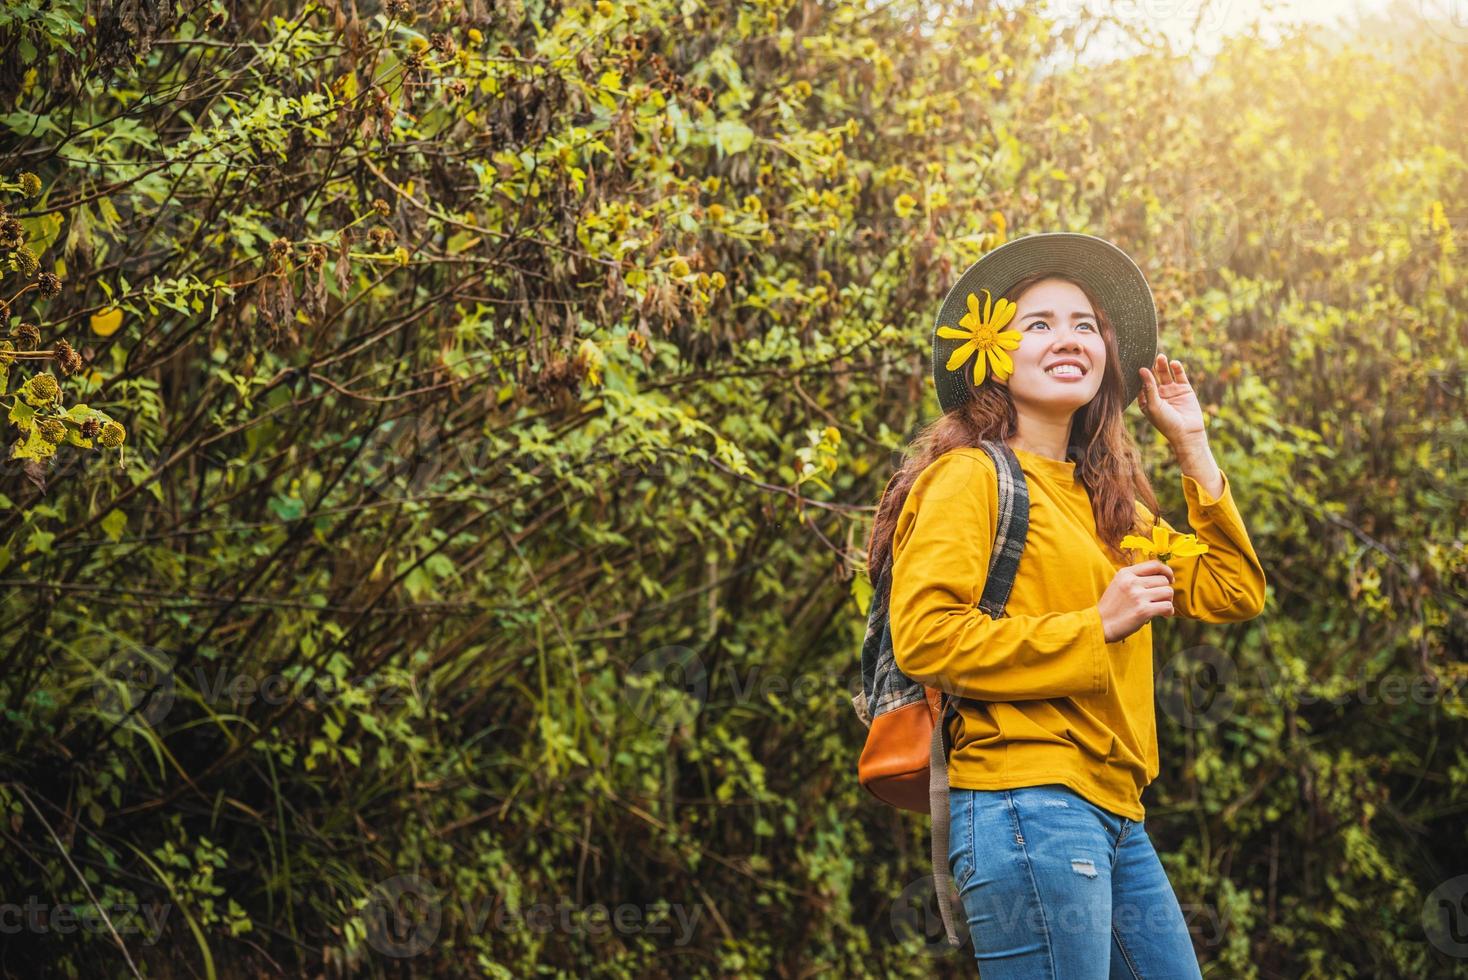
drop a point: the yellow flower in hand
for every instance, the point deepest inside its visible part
(1164, 546)
(985, 333)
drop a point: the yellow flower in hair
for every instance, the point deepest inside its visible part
(1164, 545)
(985, 332)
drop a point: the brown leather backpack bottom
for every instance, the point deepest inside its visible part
(895, 764)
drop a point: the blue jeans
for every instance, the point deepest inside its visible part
(1058, 888)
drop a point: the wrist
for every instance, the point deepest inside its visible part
(1192, 448)
(1195, 459)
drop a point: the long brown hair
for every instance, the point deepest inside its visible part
(1106, 457)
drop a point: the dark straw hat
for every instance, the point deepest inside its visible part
(1108, 272)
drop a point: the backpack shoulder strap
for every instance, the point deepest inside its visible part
(1011, 527)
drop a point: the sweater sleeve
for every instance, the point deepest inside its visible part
(940, 638)
(1227, 584)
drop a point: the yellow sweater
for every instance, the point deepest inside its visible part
(1060, 704)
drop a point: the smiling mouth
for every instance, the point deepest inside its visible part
(1066, 373)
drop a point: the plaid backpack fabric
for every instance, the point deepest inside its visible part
(904, 762)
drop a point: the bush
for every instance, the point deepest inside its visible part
(435, 384)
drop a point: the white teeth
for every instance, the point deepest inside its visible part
(1067, 369)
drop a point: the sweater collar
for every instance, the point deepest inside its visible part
(1060, 469)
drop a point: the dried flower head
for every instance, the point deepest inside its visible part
(67, 358)
(381, 237)
(443, 44)
(382, 208)
(27, 335)
(30, 184)
(12, 235)
(400, 10)
(90, 427)
(48, 284)
(112, 434)
(52, 430)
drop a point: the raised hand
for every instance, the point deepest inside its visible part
(1168, 401)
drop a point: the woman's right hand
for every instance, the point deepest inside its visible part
(1136, 594)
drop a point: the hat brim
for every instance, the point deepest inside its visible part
(1106, 270)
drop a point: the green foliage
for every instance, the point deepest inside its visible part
(441, 374)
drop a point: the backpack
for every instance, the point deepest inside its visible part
(904, 762)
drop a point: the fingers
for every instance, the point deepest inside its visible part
(1154, 567)
(1164, 371)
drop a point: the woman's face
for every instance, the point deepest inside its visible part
(1056, 325)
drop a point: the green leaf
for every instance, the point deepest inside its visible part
(41, 232)
(114, 524)
(862, 590)
(40, 541)
(732, 136)
(22, 414)
(33, 447)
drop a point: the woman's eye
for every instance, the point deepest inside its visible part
(1042, 323)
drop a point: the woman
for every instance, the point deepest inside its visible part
(1055, 736)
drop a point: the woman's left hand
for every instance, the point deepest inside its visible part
(1168, 401)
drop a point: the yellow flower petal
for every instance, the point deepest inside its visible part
(1159, 538)
(106, 321)
(1003, 313)
(1003, 363)
(961, 354)
(981, 367)
(1008, 339)
(972, 319)
(1137, 542)
(1188, 546)
(953, 333)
